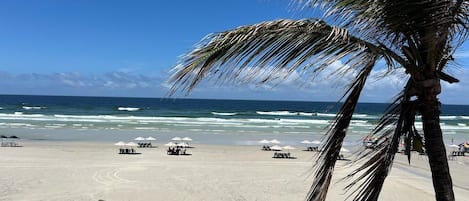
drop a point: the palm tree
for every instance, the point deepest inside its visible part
(419, 36)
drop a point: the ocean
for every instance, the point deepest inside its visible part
(242, 122)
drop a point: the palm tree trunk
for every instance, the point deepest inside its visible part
(435, 147)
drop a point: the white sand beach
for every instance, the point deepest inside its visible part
(52, 170)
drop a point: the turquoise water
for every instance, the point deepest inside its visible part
(209, 121)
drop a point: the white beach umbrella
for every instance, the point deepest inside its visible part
(306, 142)
(275, 141)
(276, 148)
(344, 150)
(186, 139)
(131, 144)
(139, 139)
(454, 146)
(176, 139)
(170, 144)
(264, 141)
(288, 147)
(120, 143)
(150, 138)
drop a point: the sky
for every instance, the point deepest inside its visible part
(127, 48)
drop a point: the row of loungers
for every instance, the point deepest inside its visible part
(266, 148)
(145, 145)
(10, 144)
(176, 151)
(312, 149)
(127, 151)
(458, 153)
(282, 155)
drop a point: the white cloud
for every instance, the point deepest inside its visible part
(296, 86)
(109, 84)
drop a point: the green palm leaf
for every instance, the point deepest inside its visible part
(281, 45)
(418, 35)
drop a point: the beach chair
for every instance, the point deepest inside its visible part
(457, 153)
(340, 157)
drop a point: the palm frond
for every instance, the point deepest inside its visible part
(283, 45)
(396, 123)
(331, 148)
(394, 23)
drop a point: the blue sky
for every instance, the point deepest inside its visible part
(126, 48)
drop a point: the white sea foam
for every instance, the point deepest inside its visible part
(453, 127)
(306, 113)
(360, 115)
(130, 109)
(325, 115)
(461, 124)
(18, 124)
(32, 107)
(224, 113)
(448, 117)
(306, 121)
(145, 128)
(277, 113)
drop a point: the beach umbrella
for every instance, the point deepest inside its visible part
(139, 139)
(288, 147)
(276, 148)
(170, 144)
(344, 150)
(120, 143)
(264, 141)
(176, 139)
(455, 146)
(186, 139)
(131, 144)
(150, 138)
(306, 142)
(275, 141)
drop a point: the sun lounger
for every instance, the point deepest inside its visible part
(457, 153)
(340, 157)
(312, 149)
(281, 155)
(266, 148)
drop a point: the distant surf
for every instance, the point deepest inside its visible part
(277, 113)
(224, 113)
(32, 107)
(198, 116)
(130, 109)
